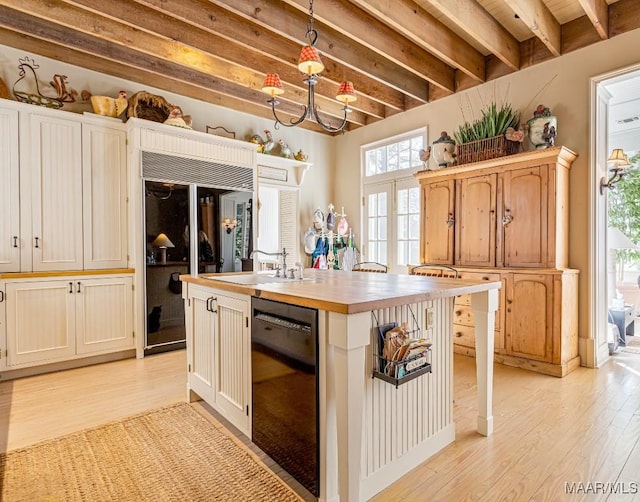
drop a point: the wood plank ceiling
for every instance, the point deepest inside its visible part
(399, 54)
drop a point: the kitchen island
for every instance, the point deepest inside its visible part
(370, 431)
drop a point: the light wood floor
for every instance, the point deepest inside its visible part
(584, 428)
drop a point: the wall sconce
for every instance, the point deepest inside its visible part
(619, 161)
(229, 224)
(163, 242)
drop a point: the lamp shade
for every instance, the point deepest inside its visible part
(310, 62)
(618, 158)
(617, 240)
(272, 85)
(162, 241)
(346, 93)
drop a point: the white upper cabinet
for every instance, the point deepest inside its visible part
(9, 197)
(63, 191)
(55, 164)
(104, 212)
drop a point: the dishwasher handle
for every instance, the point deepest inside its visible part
(282, 322)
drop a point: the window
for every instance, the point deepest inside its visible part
(391, 230)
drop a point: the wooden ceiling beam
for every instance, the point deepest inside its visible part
(282, 19)
(538, 18)
(356, 23)
(424, 30)
(598, 13)
(263, 46)
(483, 27)
(55, 34)
(154, 46)
(134, 73)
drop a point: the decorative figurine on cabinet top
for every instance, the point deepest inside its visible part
(443, 151)
(542, 128)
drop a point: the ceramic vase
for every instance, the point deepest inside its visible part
(442, 151)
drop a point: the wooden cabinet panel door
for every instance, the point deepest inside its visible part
(232, 360)
(10, 239)
(55, 151)
(529, 316)
(40, 322)
(438, 210)
(104, 314)
(105, 195)
(201, 347)
(524, 219)
(476, 221)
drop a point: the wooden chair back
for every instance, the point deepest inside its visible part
(370, 266)
(430, 270)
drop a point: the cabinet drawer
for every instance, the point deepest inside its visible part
(464, 335)
(463, 313)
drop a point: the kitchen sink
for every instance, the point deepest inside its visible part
(253, 279)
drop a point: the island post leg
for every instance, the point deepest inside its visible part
(484, 305)
(350, 336)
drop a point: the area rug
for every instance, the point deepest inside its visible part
(171, 454)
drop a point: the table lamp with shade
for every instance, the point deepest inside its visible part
(163, 242)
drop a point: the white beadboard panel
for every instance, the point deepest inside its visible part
(288, 225)
(56, 154)
(213, 150)
(10, 238)
(105, 197)
(40, 322)
(407, 421)
(232, 360)
(201, 378)
(104, 314)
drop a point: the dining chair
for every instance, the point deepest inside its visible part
(370, 266)
(432, 270)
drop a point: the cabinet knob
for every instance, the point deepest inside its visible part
(15, 241)
(507, 218)
(78, 291)
(37, 238)
(458, 334)
(458, 313)
(71, 288)
(450, 220)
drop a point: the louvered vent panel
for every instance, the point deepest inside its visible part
(185, 170)
(288, 226)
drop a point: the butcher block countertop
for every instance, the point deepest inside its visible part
(342, 292)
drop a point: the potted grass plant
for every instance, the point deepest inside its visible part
(493, 135)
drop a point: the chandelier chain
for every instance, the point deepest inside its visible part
(310, 28)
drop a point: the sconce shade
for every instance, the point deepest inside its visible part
(162, 241)
(272, 85)
(310, 62)
(618, 158)
(346, 93)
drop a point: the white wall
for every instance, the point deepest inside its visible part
(315, 192)
(568, 96)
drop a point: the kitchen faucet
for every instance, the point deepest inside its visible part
(284, 259)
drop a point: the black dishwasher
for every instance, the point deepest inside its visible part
(284, 359)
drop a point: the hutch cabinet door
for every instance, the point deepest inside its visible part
(476, 221)
(40, 322)
(529, 316)
(105, 197)
(55, 153)
(524, 217)
(233, 354)
(201, 347)
(10, 240)
(104, 314)
(438, 208)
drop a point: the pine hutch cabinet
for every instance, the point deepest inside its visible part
(507, 219)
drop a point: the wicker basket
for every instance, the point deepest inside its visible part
(485, 149)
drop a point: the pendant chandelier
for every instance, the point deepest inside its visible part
(311, 65)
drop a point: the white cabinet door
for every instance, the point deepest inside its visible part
(104, 197)
(104, 314)
(40, 322)
(232, 360)
(55, 162)
(200, 324)
(9, 196)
